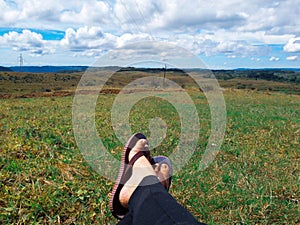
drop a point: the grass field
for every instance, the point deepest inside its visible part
(253, 180)
(16, 84)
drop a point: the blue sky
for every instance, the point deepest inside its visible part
(224, 34)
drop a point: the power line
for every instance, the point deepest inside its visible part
(132, 19)
(143, 18)
(111, 6)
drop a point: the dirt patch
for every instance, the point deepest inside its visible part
(56, 94)
(38, 95)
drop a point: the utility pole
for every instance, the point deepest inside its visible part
(165, 70)
(21, 61)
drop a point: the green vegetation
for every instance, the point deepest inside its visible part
(253, 180)
(280, 75)
(25, 84)
(13, 84)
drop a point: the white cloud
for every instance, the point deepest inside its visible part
(53, 14)
(232, 28)
(269, 17)
(273, 17)
(128, 38)
(44, 10)
(274, 59)
(88, 40)
(27, 41)
(151, 51)
(92, 41)
(259, 21)
(292, 58)
(7, 15)
(211, 45)
(293, 45)
(91, 12)
(177, 15)
(255, 59)
(240, 49)
(21, 13)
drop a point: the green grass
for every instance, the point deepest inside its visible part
(16, 84)
(254, 179)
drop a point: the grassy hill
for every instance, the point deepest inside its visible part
(254, 179)
(16, 84)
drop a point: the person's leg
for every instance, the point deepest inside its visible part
(140, 169)
(163, 170)
(147, 200)
(152, 204)
(127, 220)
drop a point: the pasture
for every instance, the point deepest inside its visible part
(253, 180)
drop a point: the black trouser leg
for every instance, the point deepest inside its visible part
(153, 205)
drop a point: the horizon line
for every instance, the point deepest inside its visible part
(82, 66)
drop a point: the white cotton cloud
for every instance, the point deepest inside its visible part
(44, 10)
(254, 23)
(233, 28)
(176, 15)
(151, 51)
(240, 49)
(30, 14)
(293, 45)
(259, 21)
(269, 17)
(210, 45)
(197, 44)
(91, 12)
(272, 17)
(53, 14)
(135, 15)
(129, 38)
(292, 58)
(274, 59)
(8, 15)
(27, 41)
(92, 41)
(88, 40)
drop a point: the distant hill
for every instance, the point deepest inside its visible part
(49, 69)
(281, 69)
(280, 75)
(4, 69)
(291, 75)
(64, 79)
(61, 69)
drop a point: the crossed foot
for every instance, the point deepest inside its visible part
(141, 169)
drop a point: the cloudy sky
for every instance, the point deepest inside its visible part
(224, 34)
